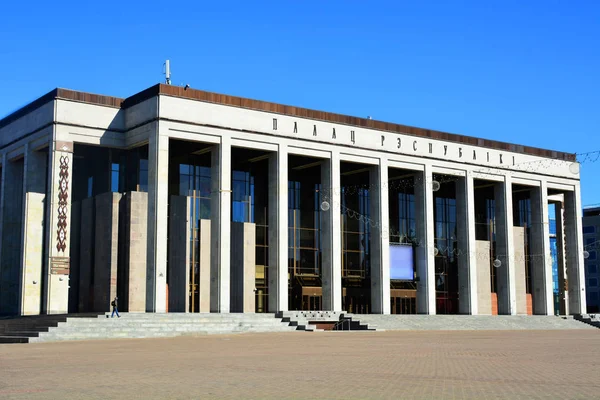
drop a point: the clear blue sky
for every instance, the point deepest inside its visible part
(526, 72)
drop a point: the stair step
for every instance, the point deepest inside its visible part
(14, 339)
(21, 333)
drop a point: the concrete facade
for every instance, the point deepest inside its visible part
(44, 136)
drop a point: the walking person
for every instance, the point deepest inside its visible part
(115, 306)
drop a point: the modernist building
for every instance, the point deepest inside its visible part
(591, 236)
(181, 200)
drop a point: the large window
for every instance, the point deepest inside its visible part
(143, 168)
(194, 181)
(304, 224)
(114, 177)
(242, 197)
(446, 268)
(356, 233)
(406, 217)
(402, 225)
(589, 230)
(90, 186)
(552, 218)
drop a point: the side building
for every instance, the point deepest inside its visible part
(591, 237)
(180, 200)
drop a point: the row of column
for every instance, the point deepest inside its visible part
(35, 211)
(331, 235)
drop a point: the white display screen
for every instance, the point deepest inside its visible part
(401, 262)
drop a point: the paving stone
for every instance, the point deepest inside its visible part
(525, 364)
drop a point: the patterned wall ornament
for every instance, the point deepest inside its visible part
(63, 197)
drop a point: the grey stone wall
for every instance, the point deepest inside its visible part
(520, 265)
(86, 254)
(179, 253)
(134, 212)
(12, 230)
(33, 245)
(75, 254)
(484, 286)
(106, 250)
(204, 265)
(243, 266)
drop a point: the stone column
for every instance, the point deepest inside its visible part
(204, 266)
(135, 248)
(507, 303)
(220, 205)
(33, 260)
(331, 234)
(75, 256)
(35, 165)
(574, 252)
(560, 244)
(484, 285)
(57, 264)
(158, 197)
(243, 267)
(106, 250)
(86, 254)
(380, 239)
(425, 232)
(179, 253)
(519, 266)
(278, 230)
(467, 255)
(541, 265)
(12, 230)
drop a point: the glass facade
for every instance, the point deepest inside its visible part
(356, 233)
(242, 197)
(357, 224)
(304, 224)
(554, 254)
(446, 260)
(522, 217)
(304, 237)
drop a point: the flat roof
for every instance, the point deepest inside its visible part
(234, 101)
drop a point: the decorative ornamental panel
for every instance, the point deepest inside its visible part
(63, 197)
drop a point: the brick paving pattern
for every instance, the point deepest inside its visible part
(355, 365)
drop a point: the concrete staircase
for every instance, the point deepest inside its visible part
(49, 328)
(145, 326)
(590, 319)
(471, 322)
(317, 321)
(21, 329)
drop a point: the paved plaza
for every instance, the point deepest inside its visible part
(342, 365)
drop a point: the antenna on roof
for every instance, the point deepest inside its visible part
(167, 72)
